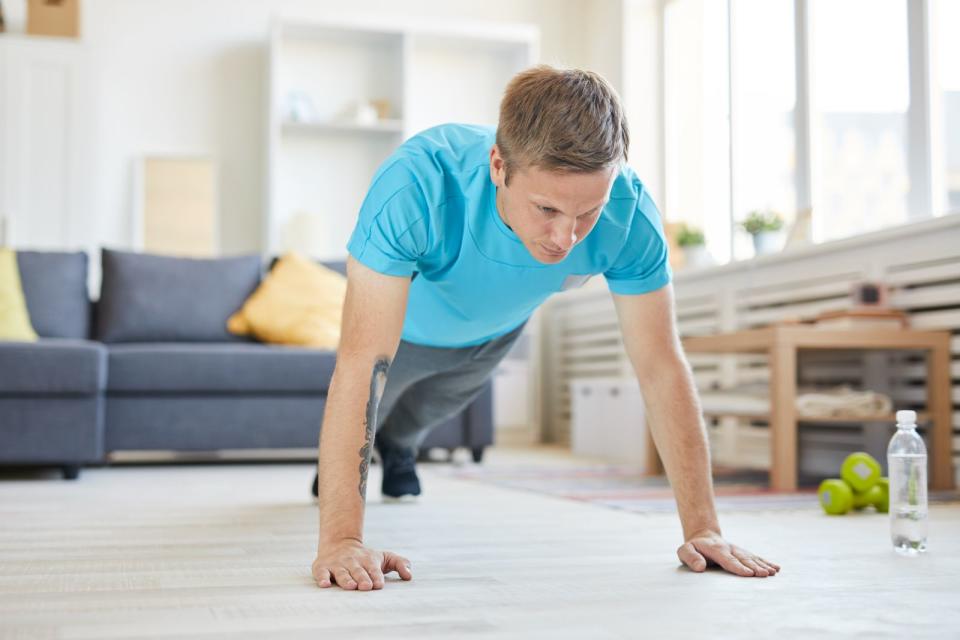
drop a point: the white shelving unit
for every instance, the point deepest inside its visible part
(318, 171)
(319, 167)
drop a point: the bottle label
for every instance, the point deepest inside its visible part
(908, 480)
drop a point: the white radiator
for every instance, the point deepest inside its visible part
(919, 262)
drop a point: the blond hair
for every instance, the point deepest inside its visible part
(561, 120)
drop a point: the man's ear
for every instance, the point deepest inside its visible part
(497, 167)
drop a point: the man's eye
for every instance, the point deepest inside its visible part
(548, 209)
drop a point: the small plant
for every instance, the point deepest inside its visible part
(761, 221)
(690, 237)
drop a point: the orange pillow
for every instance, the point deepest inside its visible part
(298, 303)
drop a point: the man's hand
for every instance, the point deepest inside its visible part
(350, 565)
(707, 547)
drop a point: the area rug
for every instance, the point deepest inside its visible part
(624, 488)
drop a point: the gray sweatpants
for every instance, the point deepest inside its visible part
(427, 385)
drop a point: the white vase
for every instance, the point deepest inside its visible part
(767, 242)
(697, 256)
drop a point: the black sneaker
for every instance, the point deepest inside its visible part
(400, 479)
(399, 473)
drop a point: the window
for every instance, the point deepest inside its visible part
(946, 78)
(697, 137)
(733, 99)
(764, 97)
(859, 101)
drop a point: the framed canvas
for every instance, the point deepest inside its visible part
(176, 206)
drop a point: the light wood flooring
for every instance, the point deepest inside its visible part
(224, 551)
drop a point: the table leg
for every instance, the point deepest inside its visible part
(783, 417)
(940, 406)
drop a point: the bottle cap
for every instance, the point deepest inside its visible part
(906, 416)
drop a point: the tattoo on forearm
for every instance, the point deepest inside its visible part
(377, 382)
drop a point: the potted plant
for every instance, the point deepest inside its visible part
(766, 228)
(691, 241)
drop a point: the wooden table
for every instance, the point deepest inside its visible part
(782, 342)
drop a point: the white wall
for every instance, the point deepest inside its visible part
(642, 90)
(623, 40)
(186, 76)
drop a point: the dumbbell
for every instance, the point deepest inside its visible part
(861, 471)
(860, 486)
(882, 489)
(837, 498)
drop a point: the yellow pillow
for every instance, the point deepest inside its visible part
(14, 317)
(298, 303)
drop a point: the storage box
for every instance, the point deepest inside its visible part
(53, 18)
(608, 420)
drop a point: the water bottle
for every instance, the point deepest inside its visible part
(907, 464)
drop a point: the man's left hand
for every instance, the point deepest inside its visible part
(706, 548)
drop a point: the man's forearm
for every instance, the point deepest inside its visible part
(346, 445)
(674, 417)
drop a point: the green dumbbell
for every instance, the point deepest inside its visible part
(836, 496)
(861, 471)
(872, 496)
(882, 487)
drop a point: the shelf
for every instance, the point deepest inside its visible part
(921, 418)
(427, 72)
(371, 36)
(315, 128)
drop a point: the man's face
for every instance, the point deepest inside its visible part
(550, 211)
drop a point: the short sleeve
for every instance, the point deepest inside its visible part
(643, 264)
(391, 232)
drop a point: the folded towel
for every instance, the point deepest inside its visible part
(842, 402)
(833, 402)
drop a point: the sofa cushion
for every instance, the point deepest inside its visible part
(340, 266)
(298, 303)
(52, 366)
(217, 368)
(336, 265)
(14, 318)
(55, 287)
(151, 298)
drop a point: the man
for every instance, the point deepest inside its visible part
(464, 232)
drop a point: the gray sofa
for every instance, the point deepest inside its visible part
(150, 366)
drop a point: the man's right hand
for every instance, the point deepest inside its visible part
(350, 565)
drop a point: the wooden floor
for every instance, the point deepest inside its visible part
(225, 552)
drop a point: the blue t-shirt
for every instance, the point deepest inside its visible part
(431, 211)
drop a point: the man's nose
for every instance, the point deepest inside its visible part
(564, 234)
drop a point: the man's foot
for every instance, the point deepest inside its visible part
(400, 479)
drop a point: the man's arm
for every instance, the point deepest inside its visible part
(674, 417)
(373, 316)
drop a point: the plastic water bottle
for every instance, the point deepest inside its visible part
(907, 463)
